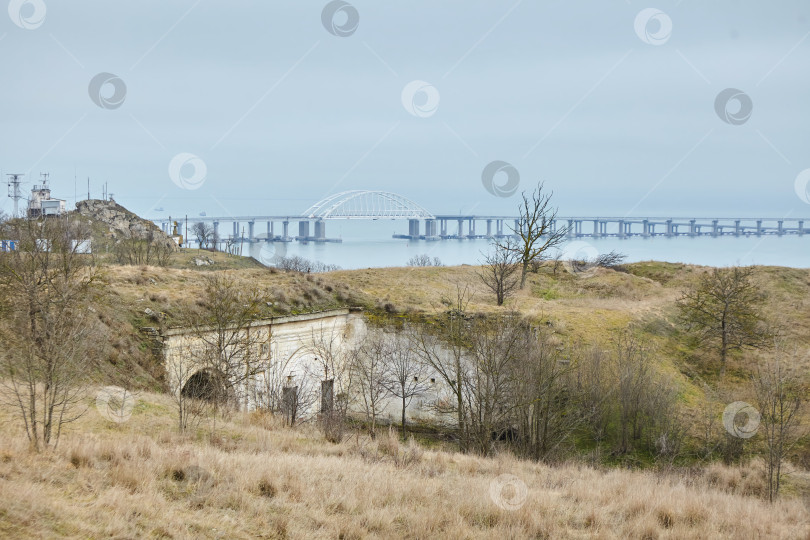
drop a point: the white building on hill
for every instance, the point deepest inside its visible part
(42, 204)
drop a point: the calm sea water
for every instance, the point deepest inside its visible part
(370, 244)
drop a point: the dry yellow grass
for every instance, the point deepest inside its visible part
(581, 308)
(589, 309)
(255, 479)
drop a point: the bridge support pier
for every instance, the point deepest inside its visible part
(571, 232)
(692, 228)
(645, 228)
(251, 225)
(715, 228)
(413, 228)
(780, 230)
(320, 230)
(622, 229)
(303, 230)
(461, 228)
(801, 228)
(471, 228)
(759, 227)
(235, 229)
(285, 229)
(430, 229)
(489, 228)
(269, 230)
(670, 229)
(736, 227)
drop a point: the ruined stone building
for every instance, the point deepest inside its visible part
(304, 354)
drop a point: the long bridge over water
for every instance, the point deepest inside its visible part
(378, 205)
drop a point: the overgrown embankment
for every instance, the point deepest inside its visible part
(574, 311)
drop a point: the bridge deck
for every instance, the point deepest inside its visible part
(442, 226)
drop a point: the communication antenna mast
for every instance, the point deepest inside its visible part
(14, 190)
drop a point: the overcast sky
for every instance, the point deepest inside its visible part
(606, 103)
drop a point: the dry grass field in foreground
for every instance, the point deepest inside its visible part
(255, 479)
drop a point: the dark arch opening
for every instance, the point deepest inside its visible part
(205, 385)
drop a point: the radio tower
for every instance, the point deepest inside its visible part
(14, 190)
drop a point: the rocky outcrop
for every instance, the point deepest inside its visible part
(202, 261)
(121, 222)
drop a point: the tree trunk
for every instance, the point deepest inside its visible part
(723, 350)
(460, 405)
(403, 415)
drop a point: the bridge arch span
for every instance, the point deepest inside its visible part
(361, 204)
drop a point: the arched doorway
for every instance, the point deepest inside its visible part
(207, 385)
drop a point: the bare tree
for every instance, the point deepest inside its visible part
(609, 260)
(232, 245)
(226, 351)
(779, 396)
(495, 350)
(544, 408)
(370, 377)
(646, 402)
(499, 272)
(298, 397)
(445, 353)
(723, 308)
(48, 328)
(556, 261)
(407, 375)
(594, 385)
(296, 263)
(631, 375)
(281, 390)
(535, 230)
(664, 426)
(147, 250)
(424, 260)
(332, 363)
(511, 385)
(205, 235)
(191, 393)
(708, 423)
